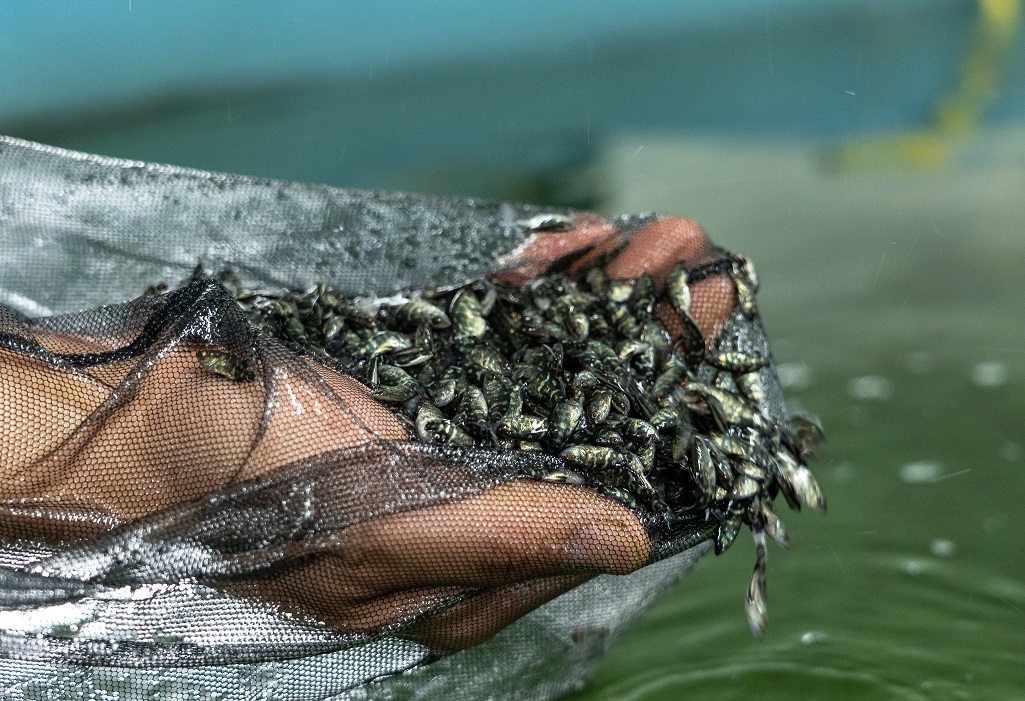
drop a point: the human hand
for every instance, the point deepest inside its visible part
(115, 442)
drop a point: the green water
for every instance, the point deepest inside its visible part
(905, 590)
(913, 585)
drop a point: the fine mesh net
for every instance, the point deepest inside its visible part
(197, 506)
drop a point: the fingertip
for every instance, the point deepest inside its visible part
(534, 256)
(669, 318)
(659, 245)
(712, 301)
(614, 542)
(683, 234)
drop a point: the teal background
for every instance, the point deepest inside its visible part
(889, 235)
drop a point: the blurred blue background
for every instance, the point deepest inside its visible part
(468, 97)
(868, 155)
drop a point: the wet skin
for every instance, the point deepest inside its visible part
(504, 551)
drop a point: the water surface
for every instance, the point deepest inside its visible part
(896, 300)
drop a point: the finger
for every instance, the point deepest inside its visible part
(656, 249)
(474, 620)
(517, 531)
(41, 405)
(712, 300)
(511, 540)
(315, 589)
(466, 623)
(172, 425)
(660, 245)
(590, 236)
(61, 342)
(308, 421)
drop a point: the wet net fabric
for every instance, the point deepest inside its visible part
(171, 527)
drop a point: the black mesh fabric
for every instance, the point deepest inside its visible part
(171, 532)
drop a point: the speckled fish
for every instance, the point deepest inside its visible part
(678, 289)
(467, 315)
(703, 468)
(756, 605)
(566, 417)
(419, 311)
(729, 527)
(797, 480)
(593, 457)
(225, 364)
(737, 361)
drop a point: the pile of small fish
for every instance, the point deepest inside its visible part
(581, 368)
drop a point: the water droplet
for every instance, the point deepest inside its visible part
(870, 388)
(843, 472)
(941, 547)
(914, 567)
(920, 472)
(812, 637)
(794, 376)
(989, 374)
(1011, 452)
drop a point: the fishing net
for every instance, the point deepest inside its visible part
(212, 490)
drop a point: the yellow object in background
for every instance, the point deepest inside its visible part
(956, 113)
